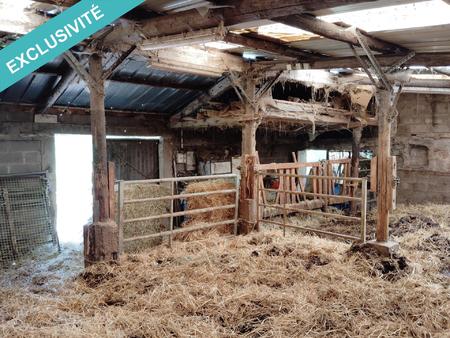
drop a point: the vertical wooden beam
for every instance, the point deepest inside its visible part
(98, 129)
(102, 237)
(384, 173)
(356, 148)
(247, 198)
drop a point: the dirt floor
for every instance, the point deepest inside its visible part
(261, 285)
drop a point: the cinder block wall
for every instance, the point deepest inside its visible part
(422, 145)
(21, 156)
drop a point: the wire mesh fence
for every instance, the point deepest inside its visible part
(26, 222)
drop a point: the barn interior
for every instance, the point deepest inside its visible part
(230, 168)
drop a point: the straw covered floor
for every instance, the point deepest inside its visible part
(261, 285)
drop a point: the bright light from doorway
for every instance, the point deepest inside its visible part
(73, 185)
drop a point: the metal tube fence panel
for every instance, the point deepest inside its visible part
(171, 214)
(364, 211)
(181, 196)
(183, 179)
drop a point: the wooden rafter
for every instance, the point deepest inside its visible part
(335, 32)
(219, 88)
(269, 46)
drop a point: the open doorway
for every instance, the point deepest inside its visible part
(135, 158)
(73, 185)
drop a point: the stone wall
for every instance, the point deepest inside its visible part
(422, 146)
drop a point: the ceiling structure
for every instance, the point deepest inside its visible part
(184, 46)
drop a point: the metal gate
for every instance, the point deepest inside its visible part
(170, 197)
(26, 221)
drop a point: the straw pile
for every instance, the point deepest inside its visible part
(261, 285)
(201, 202)
(140, 210)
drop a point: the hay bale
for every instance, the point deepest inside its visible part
(201, 202)
(139, 210)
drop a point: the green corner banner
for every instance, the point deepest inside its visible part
(58, 35)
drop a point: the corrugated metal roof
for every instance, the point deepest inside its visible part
(119, 95)
(363, 6)
(421, 40)
(168, 6)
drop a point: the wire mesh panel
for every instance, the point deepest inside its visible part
(25, 218)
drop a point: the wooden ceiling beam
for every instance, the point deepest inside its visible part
(278, 111)
(240, 12)
(269, 46)
(335, 32)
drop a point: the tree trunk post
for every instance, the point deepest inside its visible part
(101, 239)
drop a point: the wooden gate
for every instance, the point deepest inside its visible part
(322, 184)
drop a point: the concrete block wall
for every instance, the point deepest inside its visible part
(20, 156)
(422, 146)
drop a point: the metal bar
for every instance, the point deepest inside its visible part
(182, 179)
(33, 174)
(284, 214)
(121, 214)
(364, 211)
(354, 179)
(174, 197)
(236, 208)
(172, 189)
(179, 231)
(181, 213)
(12, 227)
(318, 213)
(346, 198)
(313, 230)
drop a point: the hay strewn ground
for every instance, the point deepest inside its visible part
(258, 285)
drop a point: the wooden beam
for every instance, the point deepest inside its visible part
(384, 174)
(195, 61)
(279, 111)
(57, 91)
(98, 126)
(218, 89)
(269, 46)
(108, 72)
(335, 32)
(239, 12)
(247, 195)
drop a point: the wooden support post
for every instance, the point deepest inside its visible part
(101, 239)
(384, 174)
(356, 148)
(98, 130)
(247, 198)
